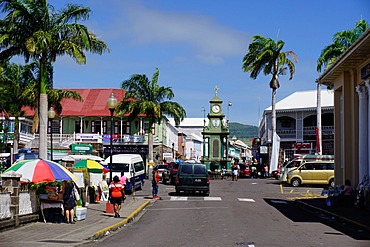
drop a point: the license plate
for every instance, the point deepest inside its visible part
(198, 180)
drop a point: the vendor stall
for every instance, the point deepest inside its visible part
(90, 174)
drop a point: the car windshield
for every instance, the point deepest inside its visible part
(120, 167)
(162, 167)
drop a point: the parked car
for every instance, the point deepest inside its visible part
(244, 171)
(169, 175)
(296, 162)
(192, 178)
(161, 168)
(312, 172)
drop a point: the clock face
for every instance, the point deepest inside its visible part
(216, 108)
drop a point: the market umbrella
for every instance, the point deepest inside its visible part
(90, 165)
(39, 170)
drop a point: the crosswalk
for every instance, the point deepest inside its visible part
(208, 198)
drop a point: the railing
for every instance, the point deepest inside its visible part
(310, 130)
(65, 140)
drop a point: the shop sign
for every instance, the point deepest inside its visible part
(82, 148)
(302, 146)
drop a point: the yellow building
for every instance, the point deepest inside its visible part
(349, 78)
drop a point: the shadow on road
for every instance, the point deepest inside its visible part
(299, 213)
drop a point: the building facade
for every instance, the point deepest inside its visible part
(296, 124)
(349, 78)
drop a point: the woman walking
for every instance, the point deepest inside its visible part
(116, 193)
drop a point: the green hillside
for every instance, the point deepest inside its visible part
(243, 132)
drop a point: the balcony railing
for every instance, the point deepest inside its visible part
(311, 130)
(65, 140)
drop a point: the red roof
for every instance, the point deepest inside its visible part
(94, 103)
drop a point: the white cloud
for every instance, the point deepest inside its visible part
(200, 36)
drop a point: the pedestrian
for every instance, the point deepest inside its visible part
(266, 168)
(235, 170)
(116, 194)
(69, 201)
(123, 179)
(223, 172)
(155, 181)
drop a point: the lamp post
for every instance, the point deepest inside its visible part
(51, 115)
(111, 103)
(173, 151)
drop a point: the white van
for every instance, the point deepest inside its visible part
(296, 162)
(133, 167)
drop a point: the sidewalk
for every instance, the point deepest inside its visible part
(96, 225)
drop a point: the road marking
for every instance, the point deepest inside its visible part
(213, 198)
(246, 200)
(190, 208)
(178, 198)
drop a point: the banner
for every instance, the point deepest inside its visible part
(275, 153)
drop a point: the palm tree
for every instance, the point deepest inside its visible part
(33, 29)
(264, 54)
(14, 82)
(341, 41)
(147, 97)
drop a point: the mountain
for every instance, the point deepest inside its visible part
(243, 132)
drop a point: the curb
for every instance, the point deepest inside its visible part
(102, 232)
(336, 215)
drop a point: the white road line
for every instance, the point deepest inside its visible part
(213, 198)
(246, 200)
(178, 198)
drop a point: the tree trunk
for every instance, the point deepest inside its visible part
(273, 114)
(150, 146)
(43, 119)
(16, 135)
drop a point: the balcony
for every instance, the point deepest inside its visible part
(65, 140)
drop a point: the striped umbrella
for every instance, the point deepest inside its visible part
(39, 170)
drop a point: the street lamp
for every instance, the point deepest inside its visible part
(51, 115)
(111, 103)
(173, 151)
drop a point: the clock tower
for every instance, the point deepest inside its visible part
(215, 136)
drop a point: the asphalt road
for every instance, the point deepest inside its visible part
(248, 212)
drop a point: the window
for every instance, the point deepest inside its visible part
(120, 167)
(138, 166)
(77, 126)
(186, 169)
(285, 124)
(126, 127)
(200, 170)
(95, 126)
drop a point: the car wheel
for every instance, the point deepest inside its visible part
(331, 183)
(296, 182)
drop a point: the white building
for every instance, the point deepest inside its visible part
(296, 122)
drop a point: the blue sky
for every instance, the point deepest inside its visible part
(198, 44)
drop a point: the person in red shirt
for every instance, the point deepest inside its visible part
(155, 181)
(116, 192)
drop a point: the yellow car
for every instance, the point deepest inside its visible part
(312, 172)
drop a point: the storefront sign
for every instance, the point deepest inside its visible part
(302, 146)
(82, 148)
(87, 136)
